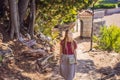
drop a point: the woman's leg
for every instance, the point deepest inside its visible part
(64, 67)
(71, 72)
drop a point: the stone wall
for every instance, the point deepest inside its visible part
(112, 11)
(87, 24)
(99, 14)
(102, 12)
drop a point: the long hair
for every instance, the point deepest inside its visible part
(65, 42)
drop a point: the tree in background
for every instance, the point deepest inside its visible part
(18, 12)
(48, 13)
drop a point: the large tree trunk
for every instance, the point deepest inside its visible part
(22, 5)
(1, 8)
(14, 18)
(12, 30)
(32, 18)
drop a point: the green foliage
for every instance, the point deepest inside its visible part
(53, 12)
(105, 6)
(118, 4)
(95, 39)
(109, 38)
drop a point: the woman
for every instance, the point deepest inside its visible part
(68, 56)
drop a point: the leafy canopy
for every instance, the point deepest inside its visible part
(53, 12)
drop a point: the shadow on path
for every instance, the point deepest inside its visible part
(105, 73)
(109, 72)
(84, 66)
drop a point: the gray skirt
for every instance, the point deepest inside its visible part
(67, 70)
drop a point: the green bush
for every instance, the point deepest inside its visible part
(119, 4)
(109, 38)
(104, 6)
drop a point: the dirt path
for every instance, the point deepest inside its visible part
(85, 68)
(96, 65)
(85, 65)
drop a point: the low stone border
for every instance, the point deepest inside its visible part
(102, 12)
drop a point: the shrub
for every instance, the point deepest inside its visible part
(109, 38)
(104, 6)
(119, 4)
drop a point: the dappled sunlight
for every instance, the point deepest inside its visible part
(110, 72)
(31, 31)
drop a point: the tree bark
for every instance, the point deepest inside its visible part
(14, 18)
(12, 31)
(22, 6)
(32, 18)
